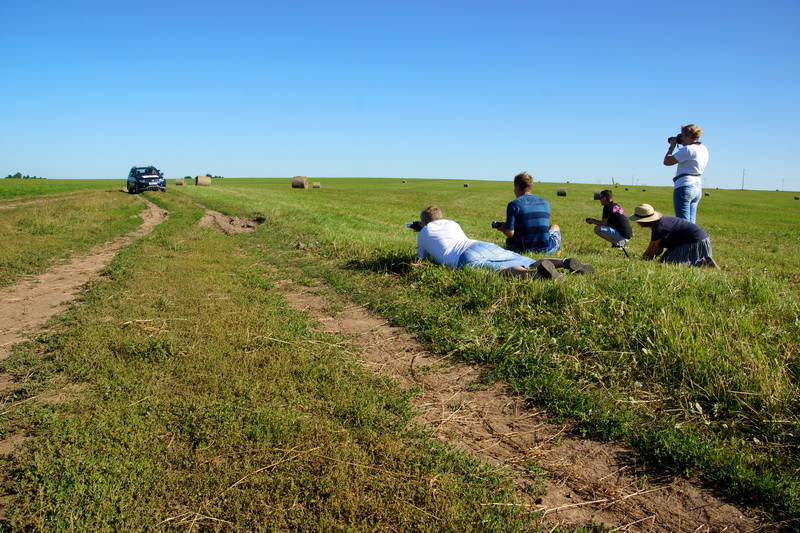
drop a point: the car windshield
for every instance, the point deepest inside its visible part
(146, 171)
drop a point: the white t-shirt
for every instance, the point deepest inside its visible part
(444, 240)
(692, 159)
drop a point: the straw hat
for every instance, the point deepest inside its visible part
(644, 213)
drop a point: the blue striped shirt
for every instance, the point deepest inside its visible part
(529, 217)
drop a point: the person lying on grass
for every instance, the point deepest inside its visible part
(686, 243)
(445, 242)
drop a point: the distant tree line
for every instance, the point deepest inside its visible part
(19, 176)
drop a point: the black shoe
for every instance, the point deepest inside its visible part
(577, 267)
(547, 270)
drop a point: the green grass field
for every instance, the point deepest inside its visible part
(17, 190)
(35, 235)
(696, 369)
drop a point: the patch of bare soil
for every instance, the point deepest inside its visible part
(585, 480)
(227, 224)
(26, 306)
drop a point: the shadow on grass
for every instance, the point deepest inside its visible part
(388, 263)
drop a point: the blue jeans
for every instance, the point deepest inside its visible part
(491, 256)
(553, 244)
(685, 200)
(614, 234)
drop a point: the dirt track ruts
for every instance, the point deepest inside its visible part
(26, 306)
(586, 480)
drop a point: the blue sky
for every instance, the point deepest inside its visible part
(581, 91)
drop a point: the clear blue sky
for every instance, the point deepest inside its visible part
(581, 91)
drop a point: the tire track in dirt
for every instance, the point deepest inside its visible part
(26, 306)
(585, 480)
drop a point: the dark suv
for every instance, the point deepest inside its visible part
(146, 179)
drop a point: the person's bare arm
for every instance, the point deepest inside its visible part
(669, 159)
(653, 250)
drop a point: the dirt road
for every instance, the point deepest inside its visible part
(26, 307)
(568, 479)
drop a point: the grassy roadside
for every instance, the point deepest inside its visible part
(718, 400)
(20, 190)
(696, 369)
(183, 391)
(34, 235)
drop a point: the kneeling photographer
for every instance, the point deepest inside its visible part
(691, 159)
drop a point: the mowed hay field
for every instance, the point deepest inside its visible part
(185, 372)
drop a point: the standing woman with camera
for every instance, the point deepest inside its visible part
(691, 159)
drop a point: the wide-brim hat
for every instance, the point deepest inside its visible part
(645, 213)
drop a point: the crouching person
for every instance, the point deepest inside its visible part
(613, 226)
(685, 242)
(447, 244)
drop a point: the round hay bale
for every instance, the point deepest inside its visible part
(466, 185)
(561, 192)
(597, 194)
(202, 181)
(180, 181)
(316, 185)
(299, 182)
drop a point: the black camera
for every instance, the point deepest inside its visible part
(416, 225)
(496, 225)
(678, 139)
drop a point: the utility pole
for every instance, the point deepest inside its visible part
(742, 179)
